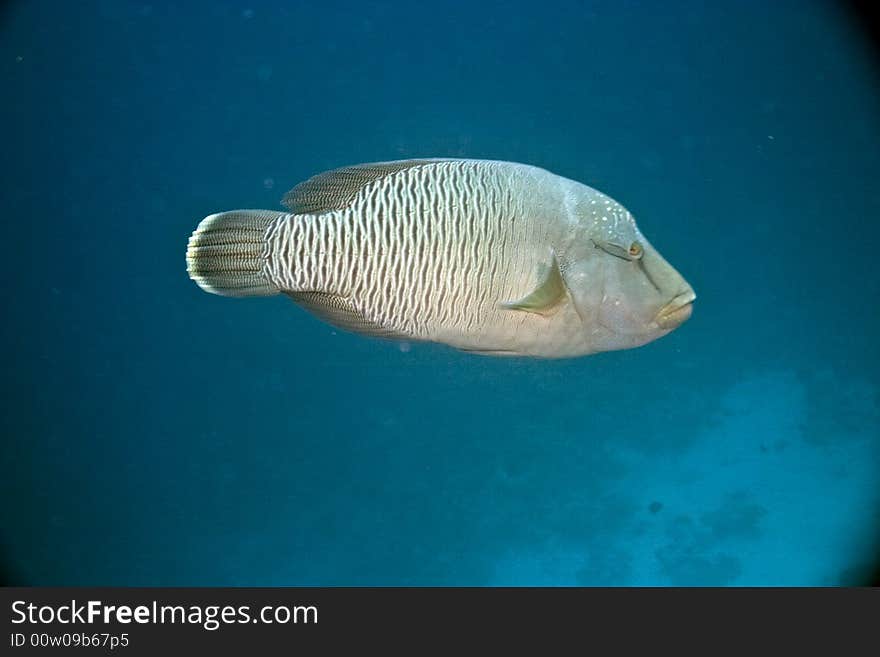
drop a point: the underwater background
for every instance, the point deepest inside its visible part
(157, 435)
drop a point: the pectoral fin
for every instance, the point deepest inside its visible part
(547, 297)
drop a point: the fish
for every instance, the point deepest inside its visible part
(489, 257)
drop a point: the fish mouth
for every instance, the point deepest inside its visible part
(676, 312)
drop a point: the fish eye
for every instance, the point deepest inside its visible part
(634, 252)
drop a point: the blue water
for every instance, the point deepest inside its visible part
(157, 435)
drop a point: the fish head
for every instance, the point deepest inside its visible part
(625, 292)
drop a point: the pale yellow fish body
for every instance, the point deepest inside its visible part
(486, 256)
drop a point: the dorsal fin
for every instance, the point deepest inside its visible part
(544, 299)
(334, 190)
(342, 313)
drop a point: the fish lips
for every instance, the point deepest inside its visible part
(676, 312)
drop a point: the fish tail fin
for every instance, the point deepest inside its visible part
(226, 253)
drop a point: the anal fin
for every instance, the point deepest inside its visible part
(342, 313)
(492, 352)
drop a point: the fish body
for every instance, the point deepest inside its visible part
(491, 257)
